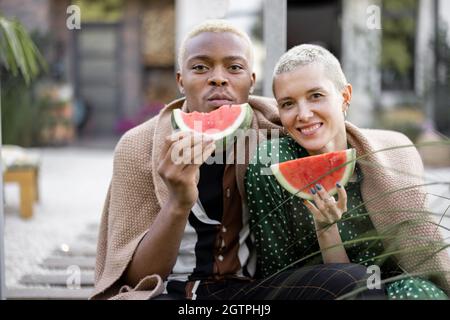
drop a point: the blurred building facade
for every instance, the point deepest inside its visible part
(120, 63)
(394, 52)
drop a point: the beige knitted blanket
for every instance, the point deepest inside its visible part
(397, 215)
(136, 193)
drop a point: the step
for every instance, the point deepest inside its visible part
(56, 262)
(55, 279)
(88, 237)
(94, 227)
(48, 293)
(79, 250)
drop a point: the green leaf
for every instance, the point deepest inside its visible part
(17, 50)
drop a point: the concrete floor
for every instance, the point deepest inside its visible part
(73, 186)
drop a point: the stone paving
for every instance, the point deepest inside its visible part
(73, 186)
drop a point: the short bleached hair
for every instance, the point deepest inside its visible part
(217, 26)
(306, 54)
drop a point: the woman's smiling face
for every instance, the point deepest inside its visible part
(311, 108)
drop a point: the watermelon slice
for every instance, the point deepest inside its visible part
(327, 169)
(219, 124)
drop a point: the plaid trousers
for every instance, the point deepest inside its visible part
(318, 282)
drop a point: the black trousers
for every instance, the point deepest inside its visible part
(319, 282)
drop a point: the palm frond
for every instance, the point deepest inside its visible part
(18, 53)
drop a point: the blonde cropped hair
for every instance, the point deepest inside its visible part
(217, 26)
(305, 54)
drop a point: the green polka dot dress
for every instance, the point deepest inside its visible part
(284, 228)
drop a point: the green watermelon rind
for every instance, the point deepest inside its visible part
(221, 138)
(350, 167)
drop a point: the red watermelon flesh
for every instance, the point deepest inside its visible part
(218, 123)
(326, 169)
(219, 119)
(222, 125)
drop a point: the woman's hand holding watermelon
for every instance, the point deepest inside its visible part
(181, 157)
(326, 211)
